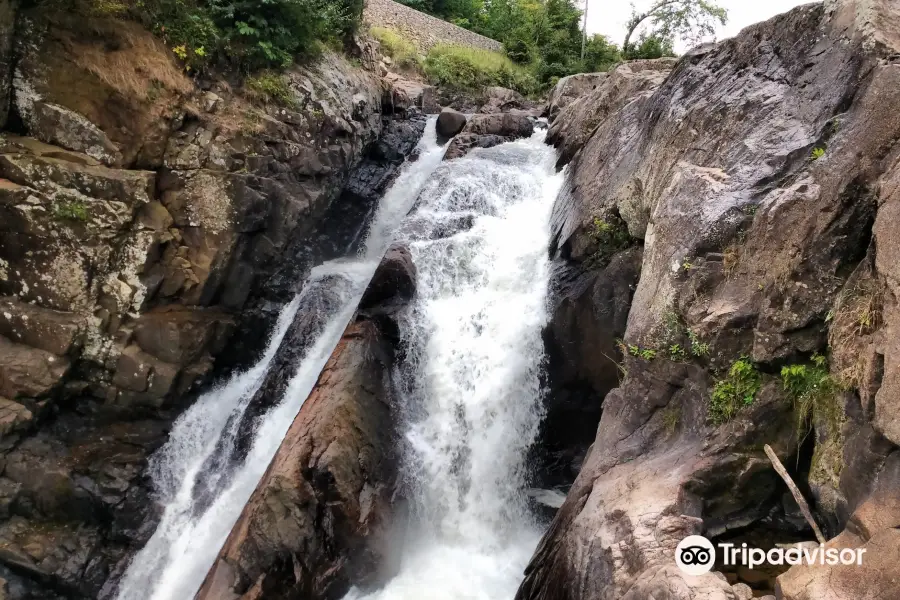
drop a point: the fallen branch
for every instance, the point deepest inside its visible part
(795, 491)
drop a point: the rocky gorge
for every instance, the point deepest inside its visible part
(720, 273)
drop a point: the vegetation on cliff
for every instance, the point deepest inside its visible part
(244, 34)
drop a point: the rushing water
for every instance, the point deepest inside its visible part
(193, 528)
(471, 375)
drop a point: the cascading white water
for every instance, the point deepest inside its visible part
(175, 560)
(471, 375)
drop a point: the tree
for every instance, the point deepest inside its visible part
(690, 20)
(651, 46)
(599, 54)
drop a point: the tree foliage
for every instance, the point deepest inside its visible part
(546, 35)
(246, 34)
(689, 20)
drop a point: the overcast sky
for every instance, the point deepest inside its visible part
(610, 16)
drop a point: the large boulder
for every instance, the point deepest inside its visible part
(320, 520)
(766, 234)
(499, 99)
(449, 123)
(571, 88)
(486, 131)
(509, 125)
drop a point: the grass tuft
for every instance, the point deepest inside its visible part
(470, 69)
(270, 88)
(402, 51)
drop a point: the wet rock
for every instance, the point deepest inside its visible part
(394, 283)
(321, 517)
(581, 342)
(486, 131)
(380, 167)
(509, 125)
(463, 143)
(449, 123)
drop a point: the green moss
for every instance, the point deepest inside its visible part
(818, 153)
(816, 395)
(735, 391)
(71, 211)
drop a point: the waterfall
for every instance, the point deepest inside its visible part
(471, 389)
(193, 528)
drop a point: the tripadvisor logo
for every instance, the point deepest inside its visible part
(696, 555)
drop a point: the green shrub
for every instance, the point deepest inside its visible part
(735, 391)
(457, 67)
(402, 51)
(271, 88)
(71, 211)
(247, 34)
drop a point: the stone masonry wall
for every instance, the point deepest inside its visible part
(423, 30)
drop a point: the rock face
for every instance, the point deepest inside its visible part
(582, 349)
(449, 123)
(323, 516)
(760, 176)
(143, 221)
(485, 131)
(7, 26)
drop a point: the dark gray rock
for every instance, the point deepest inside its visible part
(464, 142)
(449, 123)
(393, 285)
(7, 28)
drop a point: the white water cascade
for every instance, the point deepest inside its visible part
(471, 375)
(192, 530)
